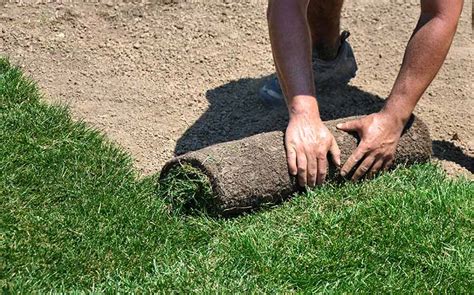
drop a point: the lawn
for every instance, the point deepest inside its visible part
(75, 216)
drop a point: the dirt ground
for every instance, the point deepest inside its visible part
(165, 79)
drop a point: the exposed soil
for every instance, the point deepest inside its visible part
(165, 79)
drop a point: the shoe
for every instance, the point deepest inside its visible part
(338, 71)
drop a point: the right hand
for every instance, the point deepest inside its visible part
(307, 142)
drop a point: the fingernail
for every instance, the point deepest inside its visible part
(343, 173)
(339, 125)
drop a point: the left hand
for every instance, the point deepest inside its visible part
(379, 134)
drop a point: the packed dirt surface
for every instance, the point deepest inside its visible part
(163, 79)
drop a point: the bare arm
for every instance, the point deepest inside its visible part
(291, 48)
(424, 55)
(307, 140)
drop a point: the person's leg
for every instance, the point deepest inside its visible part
(333, 60)
(324, 21)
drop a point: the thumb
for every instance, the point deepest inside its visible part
(353, 125)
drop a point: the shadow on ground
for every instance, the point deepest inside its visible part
(446, 150)
(235, 111)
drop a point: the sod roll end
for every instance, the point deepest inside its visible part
(230, 178)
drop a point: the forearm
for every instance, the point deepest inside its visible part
(425, 53)
(291, 46)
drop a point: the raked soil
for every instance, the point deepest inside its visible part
(163, 79)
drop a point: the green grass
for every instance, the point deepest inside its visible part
(74, 216)
(187, 190)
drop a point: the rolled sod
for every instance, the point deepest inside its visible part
(230, 178)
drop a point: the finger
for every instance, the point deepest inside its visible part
(355, 157)
(376, 167)
(363, 168)
(322, 169)
(388, 164)
(302, 168)
(312, 170)
(335, 153)
(353, 125)
(291, 159)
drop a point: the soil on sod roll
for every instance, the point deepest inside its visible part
(250, 173)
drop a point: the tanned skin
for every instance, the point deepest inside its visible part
(297, 26)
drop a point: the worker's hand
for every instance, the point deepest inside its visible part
(307, 143)
(379, 134)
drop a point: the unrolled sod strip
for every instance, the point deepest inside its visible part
(249, 173)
